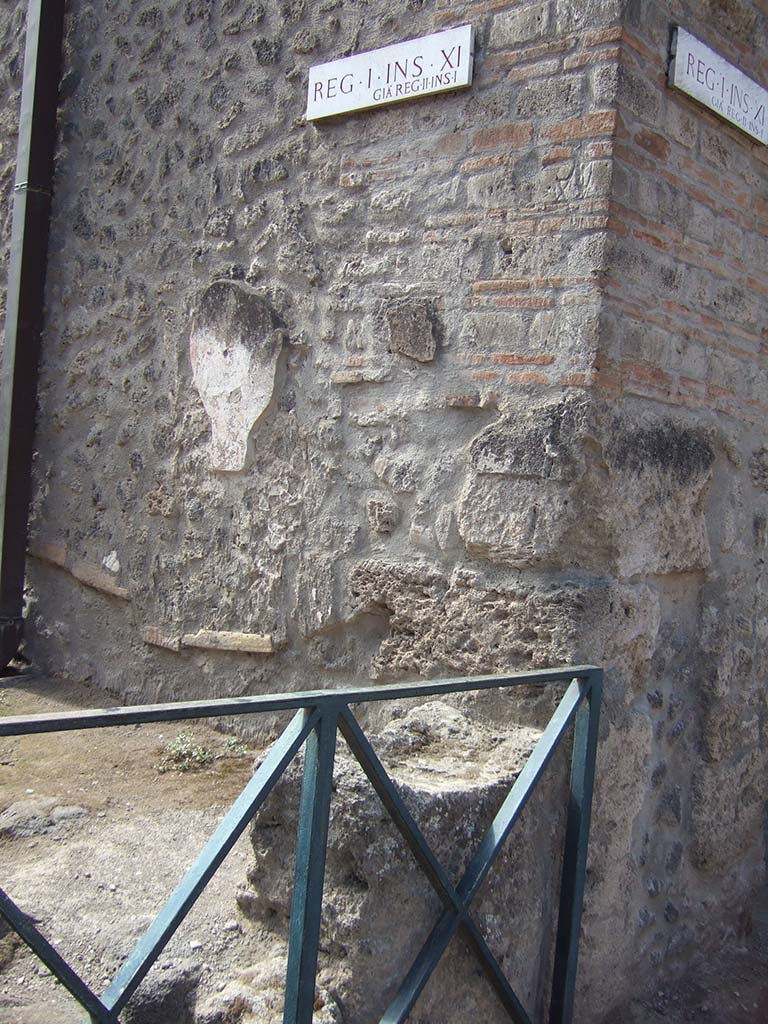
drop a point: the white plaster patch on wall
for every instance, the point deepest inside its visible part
(234, 348)
(111, 562)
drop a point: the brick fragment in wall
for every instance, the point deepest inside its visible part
(155, 636)
(362, 375)
(98, 580)
(54, 554)
(412, 328)
(225, 640)
(84, 572)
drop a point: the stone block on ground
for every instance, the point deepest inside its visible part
(379, 908)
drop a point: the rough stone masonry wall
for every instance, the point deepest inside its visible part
(448, 450)
(680, 418)
(434, 267)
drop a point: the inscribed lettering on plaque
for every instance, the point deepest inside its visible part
(716, 83)
(418, 67)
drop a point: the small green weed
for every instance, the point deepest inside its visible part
(184, 754)
(235, 747)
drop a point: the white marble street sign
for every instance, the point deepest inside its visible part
(716, 83)
(417, 67)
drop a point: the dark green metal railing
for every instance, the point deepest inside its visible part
(320, 715)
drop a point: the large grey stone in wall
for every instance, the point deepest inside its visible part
(537, 478)
(518, 503)
(470, 622)
(660, 470)
(234, 348)
(510, 28)
(515, 522)
(538, 445)
(412, 328)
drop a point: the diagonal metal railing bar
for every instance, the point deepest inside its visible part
(493, 972)
(421, 969)
(487, 852)
(430, 955)
(311, 848)
(393, 803)
(520, 793)
(218, 846)
(54, 961)
(320, 714)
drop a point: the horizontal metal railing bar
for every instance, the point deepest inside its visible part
(97, 718)
(218, 846)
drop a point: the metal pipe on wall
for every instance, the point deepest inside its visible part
(25, 299)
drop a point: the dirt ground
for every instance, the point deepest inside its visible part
(100, 838)
(97, 837)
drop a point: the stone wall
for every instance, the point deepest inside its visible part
(12, 16)
(462, 385)
(681, 375)
(427, 271)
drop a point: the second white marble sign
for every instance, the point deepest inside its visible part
(719, 85)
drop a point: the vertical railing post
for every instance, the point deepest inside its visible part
(575, 853)
(311, 843)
